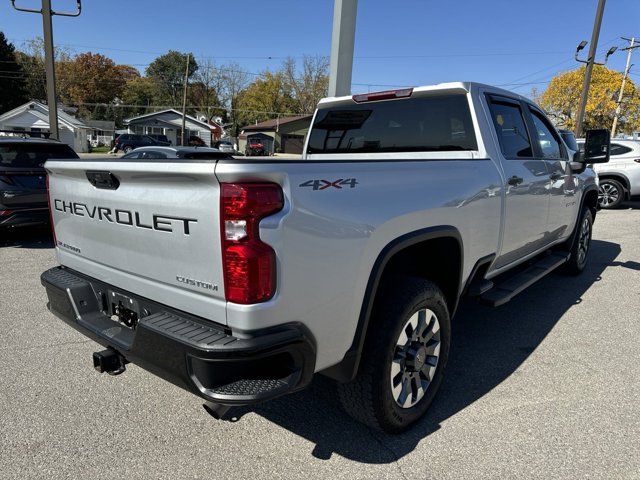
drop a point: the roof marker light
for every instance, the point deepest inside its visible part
(385, 95)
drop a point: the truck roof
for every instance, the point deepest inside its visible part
(448, 86)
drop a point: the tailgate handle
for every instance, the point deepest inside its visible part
(104, 180)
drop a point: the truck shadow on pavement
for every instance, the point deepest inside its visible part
(489, 345)
(27, 238)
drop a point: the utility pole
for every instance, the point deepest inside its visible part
(184, 98)
(49, 59)
(627, 67)
(590, 61)
(342, 44)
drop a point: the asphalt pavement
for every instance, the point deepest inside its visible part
(546, 386)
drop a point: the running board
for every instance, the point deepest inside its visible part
(502, 293)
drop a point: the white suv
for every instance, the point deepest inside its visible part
(620, 178)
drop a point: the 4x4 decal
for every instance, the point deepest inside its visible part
(324, 184)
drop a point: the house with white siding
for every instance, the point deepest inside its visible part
(33, 117)
(169, 123)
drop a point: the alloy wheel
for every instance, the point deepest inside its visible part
(608, 194)
(584, 240)
(415, 358)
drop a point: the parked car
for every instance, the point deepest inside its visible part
(146, 153)
(225, 146)
(162, 139)
(23, 191)
(128, 141)
(255, 147)
(620, 178)
(239, 281)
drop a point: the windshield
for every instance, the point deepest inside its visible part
(32, 155)
(435, 123)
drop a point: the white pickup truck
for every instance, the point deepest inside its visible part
(238, 279)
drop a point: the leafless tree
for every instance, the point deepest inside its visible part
(310, 84)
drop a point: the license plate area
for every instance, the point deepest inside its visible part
(124, 310)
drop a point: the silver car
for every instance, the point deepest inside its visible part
(225, 146)
(620, 178)
(157, 152)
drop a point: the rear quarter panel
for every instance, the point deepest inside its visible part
(327, 240)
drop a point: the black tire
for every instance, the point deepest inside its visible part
(369, 398)
(581, 245)
(127, 149)
(610, 194)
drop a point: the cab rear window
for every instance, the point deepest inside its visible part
(418, 124)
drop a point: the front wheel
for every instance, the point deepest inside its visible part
(580, 249)
(610, 193)
(404, 357)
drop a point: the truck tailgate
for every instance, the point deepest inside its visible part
(151, 228)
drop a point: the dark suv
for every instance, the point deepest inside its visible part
(23, 189)
(128, 141)
(160, 138)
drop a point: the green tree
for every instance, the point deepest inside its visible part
(265, 98)
(562, 97)
(31, 58)
(90, 78)
(168, 72)
(12, 78)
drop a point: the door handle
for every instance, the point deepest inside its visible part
(555, 176)
(515, 181)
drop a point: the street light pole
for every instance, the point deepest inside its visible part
(49, 58)
(342, 45)
(590, 61)
(627, 67)
(184, 99)
(49, 66)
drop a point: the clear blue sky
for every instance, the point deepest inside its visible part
(398, 42)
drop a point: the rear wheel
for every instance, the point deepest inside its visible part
(580, 249)
(127, 149)
(404, 357)
(610, 193)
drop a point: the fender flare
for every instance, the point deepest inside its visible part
(574, 234)
(347, 368)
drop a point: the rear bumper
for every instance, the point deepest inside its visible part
(203, 357)
(25, 217)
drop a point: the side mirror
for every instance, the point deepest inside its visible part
(596, 146)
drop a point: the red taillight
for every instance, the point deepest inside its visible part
(249, 263)
(5, 213)
(53, 228)
(386, 95)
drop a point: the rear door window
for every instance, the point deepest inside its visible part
(427, 124)
(152, 154)
(511, 129)
(617, 149)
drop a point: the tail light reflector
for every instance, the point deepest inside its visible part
(249, 264)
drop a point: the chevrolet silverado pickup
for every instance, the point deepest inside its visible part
(239, 279)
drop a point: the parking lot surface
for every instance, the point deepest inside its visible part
(544, 387)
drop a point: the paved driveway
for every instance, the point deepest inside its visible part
(546, 386)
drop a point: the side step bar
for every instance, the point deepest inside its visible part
(503, 292)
